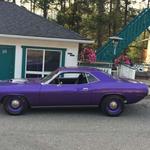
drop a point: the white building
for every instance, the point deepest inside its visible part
(147, 61)
(31, 46)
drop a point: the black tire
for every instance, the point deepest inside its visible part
(10, 102)
(112, 105)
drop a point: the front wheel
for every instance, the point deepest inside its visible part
(15, 105)
(112, 105)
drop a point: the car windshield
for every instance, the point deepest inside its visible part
(48, 77)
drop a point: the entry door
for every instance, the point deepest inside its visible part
(7, 61)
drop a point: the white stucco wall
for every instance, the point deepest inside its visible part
(71, 47)
(148, 52)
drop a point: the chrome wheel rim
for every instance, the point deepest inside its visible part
(113, 105)
(15, 103)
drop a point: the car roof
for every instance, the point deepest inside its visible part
(96, 72)
(78, 69)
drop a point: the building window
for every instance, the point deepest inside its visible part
(52, 60)
(34, 60)
(41, 62)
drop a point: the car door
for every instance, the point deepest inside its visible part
(65, 94)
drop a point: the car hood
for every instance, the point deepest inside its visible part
(19, 81)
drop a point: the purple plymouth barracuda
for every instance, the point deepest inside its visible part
(82, 86)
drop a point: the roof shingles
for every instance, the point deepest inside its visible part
(15, 20)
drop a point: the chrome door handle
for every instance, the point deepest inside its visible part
(85, 89)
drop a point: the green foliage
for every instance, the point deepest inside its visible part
(134, 53)
(94, 19)
(136, 49)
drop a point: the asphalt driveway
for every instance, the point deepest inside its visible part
(77, 129)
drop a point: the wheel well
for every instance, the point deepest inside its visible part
(6, 96)
(123, 97)
(3, 98)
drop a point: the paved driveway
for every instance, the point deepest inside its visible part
(77, 129)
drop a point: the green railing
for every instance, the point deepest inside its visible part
(129, 33)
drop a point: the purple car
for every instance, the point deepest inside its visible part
(82, 86)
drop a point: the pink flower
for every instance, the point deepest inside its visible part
(122, 59)
(127, 62)
(88, 54)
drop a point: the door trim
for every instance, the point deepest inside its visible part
(24, 50)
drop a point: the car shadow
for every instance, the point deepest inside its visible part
(66, 111)
(130, 111)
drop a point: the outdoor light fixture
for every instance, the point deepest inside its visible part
(115, 40)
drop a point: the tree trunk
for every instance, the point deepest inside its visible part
(110, 19)
(61, 5)
(117, 13)
(100, 25)
(148, 3)
(77, 21)
(31, 6)
(64, 5)
(45, 9)
(34, 3)
(69, 2)
(126, 12)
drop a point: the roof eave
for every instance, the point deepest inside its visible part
(45, 38)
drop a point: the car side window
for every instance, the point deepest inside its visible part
(81, 79)
(91, 78)
(70, 78)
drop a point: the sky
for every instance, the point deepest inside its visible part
(139, 3)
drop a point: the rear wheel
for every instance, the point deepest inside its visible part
(112, 105)
(15, 105)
